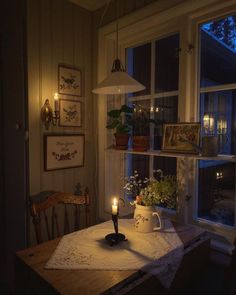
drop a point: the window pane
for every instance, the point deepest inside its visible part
(167, 64)
(139, 163)
(216, 195)
(218, 117)
(167, 165)
(139, 66)
(218, 52)
(165, 111)
(140, 117)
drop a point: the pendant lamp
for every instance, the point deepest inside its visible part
(118, 82)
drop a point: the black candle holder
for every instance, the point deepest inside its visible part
(115, 238)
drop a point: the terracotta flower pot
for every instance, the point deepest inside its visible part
(122, 140)
(140, 143)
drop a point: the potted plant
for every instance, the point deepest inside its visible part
(118, 121)
(148, 193)
(140, 122)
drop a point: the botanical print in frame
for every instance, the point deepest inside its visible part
(63, 151)
(69, 81)
(181, 137)
(70, 113)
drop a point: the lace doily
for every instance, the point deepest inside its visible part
(159, 253)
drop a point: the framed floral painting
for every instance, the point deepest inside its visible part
(63, 151)
(70, 113)
(181, 138)
(69, 81)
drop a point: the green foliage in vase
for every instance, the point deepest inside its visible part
(160, 192)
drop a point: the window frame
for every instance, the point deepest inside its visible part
(225, 230)
(152, 97)
(137, 28)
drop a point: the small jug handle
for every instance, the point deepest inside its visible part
(157, 215)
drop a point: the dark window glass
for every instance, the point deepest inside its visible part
(167, 165)
(167, 64)
(165, 111)
(139, 66)
(139, 163)
(140, 118)
(216, 193)
(218, 52)
(218, 118)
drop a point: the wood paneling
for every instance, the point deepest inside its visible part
(58, 32)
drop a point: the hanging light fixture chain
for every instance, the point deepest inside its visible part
(117, 26)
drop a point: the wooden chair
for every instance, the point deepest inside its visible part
(41, 208)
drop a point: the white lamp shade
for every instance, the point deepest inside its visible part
(118, 82)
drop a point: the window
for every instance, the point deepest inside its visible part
(156, 65)
(216, 179)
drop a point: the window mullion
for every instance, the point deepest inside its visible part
(152, 102)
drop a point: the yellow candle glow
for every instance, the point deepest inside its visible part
(56, 102)
(115, 207)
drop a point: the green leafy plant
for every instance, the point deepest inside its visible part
(118, 119)
(160, 190)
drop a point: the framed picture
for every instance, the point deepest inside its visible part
(63, 151)
(70, 113)
(181, 137)
(69, 81)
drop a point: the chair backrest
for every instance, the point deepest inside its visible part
(47, 210)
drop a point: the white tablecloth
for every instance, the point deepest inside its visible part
(159, 253)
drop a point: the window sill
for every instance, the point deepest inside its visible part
(158, 153)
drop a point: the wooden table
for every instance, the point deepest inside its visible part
(32, 278)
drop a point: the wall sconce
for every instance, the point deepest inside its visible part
(47, 112)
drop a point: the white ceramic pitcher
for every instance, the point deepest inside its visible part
(145, 219)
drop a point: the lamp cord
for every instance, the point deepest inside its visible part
(117, 21)
(104, 12)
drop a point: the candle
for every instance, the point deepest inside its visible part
(115, 207)
(56, 102)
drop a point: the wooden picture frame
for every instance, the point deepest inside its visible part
(69, 80)
(63, 151)
(181, 138)
(70, 113)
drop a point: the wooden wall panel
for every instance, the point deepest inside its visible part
(59, 32)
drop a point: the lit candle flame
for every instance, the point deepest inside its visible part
(56, 96)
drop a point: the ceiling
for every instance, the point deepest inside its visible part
(90, 4)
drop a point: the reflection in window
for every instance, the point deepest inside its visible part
(218, 52)
(216, 194)
(218, 117)
(140, 117)
(139, 66)
(166, 111)
(167, 64)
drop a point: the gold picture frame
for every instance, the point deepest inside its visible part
(181, 138)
